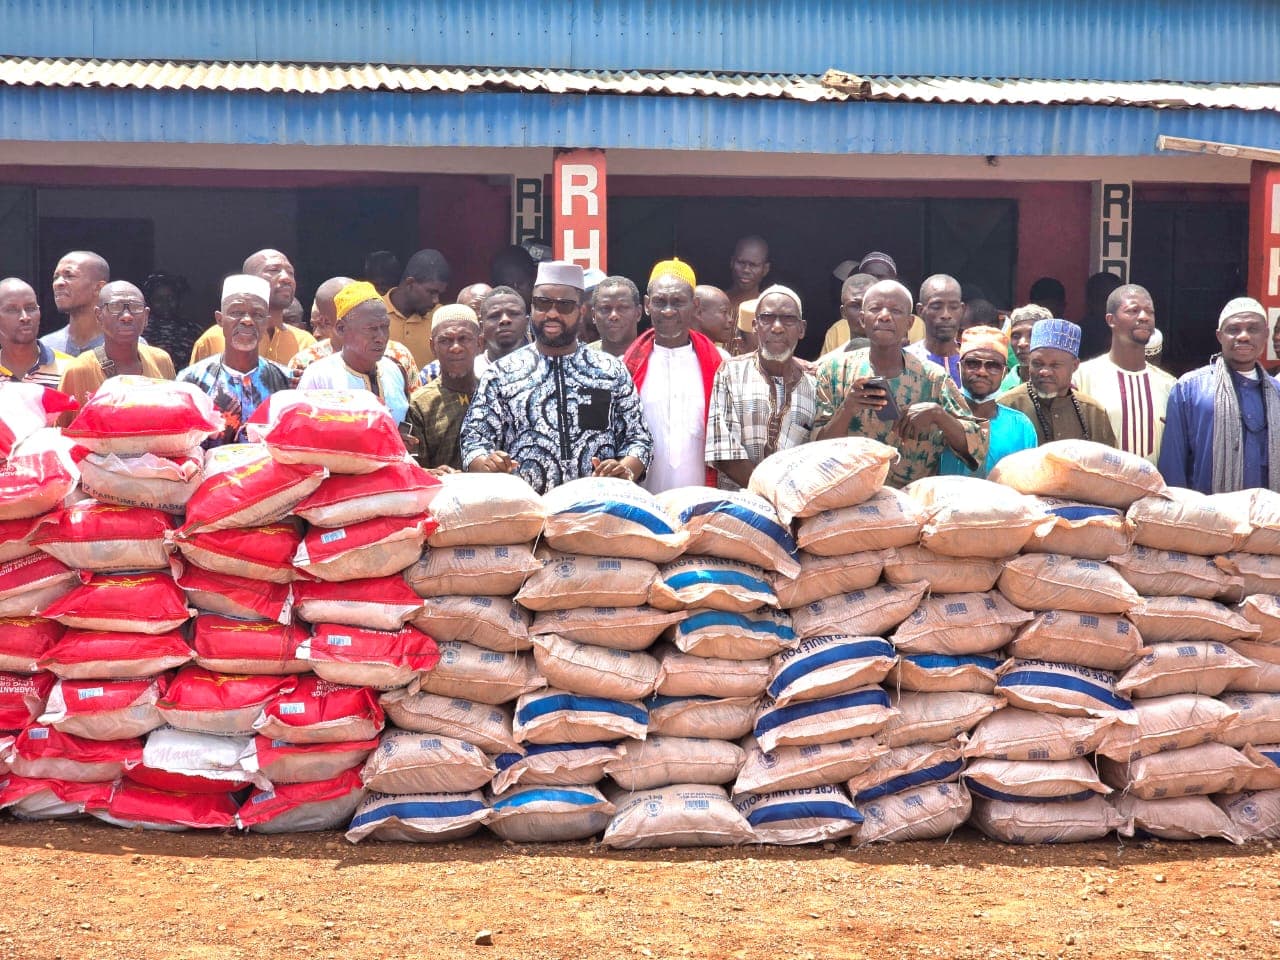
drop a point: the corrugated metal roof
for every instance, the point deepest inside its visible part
(834, 85)
(499, 119)
(1222, 41)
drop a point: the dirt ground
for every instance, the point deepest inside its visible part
(87, 890)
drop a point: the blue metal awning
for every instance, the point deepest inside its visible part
(500, 119)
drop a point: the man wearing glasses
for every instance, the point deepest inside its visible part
(556, 410)
(122, 313)
(763, 401)
(887, 394)
(984, 359)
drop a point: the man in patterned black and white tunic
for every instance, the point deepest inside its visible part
(556, 410)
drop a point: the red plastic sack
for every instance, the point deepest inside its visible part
(104, 709)
(26, 408)
(30, 583)
(24, 640)
(158, 483)
(381, 659)
(283, 762)
(317, 711)
(235, 596)
(226, 704)
(44, 799)
(15, 538)
(296, 807)
(43, 752)
(22, 698)
(400, 490)
(347, 431)
(133, 805)
(363, 551)
(111, 655)
(244, 487)
(105, 537)
(259, 553)
(36, 478)
(132, 603)
(387, 603)
(228, 645)
(134, 415)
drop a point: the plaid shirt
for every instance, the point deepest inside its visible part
(743, 400)
(919, 382)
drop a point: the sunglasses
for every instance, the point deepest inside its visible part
(976, 364)
(544, 305)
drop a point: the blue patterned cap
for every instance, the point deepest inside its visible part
(1058, 334)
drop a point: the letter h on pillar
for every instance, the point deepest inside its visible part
(580, 209)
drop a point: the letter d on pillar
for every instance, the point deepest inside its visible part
(580, 226)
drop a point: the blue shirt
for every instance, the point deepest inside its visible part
(950, 364)
(1186, 452)
(1011, 431)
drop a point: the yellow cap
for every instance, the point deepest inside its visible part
(674, 268)
(354, 294)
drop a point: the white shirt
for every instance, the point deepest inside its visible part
(332, 373)
(675, 407)
(1135, 402)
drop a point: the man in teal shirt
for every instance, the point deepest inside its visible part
(984, 359)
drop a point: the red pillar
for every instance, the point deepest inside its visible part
(1264, 242)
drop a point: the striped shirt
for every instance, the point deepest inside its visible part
(1135, 402)
(47, 370)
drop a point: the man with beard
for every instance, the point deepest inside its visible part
(892, 396)
(239, 379)
(77, 279)
(674, 367)
(436, 410)
(1223, 420)
(615, 303)
(942, 309)
(984, 355)
(763, 401)
(122, 313)
(1134, 392)
(1054, 409)
(281, 341)
(556, 410)
(23, 358)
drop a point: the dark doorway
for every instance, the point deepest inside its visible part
(1193, 258)
(975, 240)
(128, 244)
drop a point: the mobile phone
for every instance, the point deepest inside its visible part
(889, 413)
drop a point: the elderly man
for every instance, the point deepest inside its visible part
(239, 379)
(436, 410)
(1132, 391)
(362, 363)
(327, 313)
(1056, 410)
(674, 367)
(409, 304)
(1223, 420)
(764, 401)
(889, 395)
(556, 410)
(77, 280)
(941, 308)
(22, 356)
(847, 333)
(122, 313)
(504, 328)
(281, 341)
(1021, 320)
(616, 305)
(984, 356)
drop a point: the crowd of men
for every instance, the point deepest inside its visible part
(545, 371)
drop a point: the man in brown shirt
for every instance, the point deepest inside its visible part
(1056, 410)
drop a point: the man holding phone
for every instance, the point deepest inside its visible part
(886, 394)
